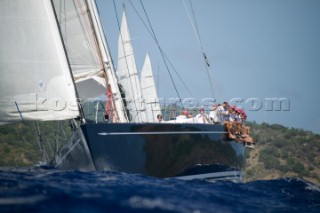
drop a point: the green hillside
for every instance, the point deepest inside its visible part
(21, 143)
(279, 151)
(283, 152)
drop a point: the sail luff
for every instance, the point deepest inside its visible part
(127, 73)
(31, 48)
(75, 25)
(149, 91)
(108, 65)
(78, 36)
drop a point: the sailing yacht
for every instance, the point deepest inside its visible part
(149, 91)
(128, 75)
(54, 57)
(140, 94)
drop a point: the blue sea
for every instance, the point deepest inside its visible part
(44, 189)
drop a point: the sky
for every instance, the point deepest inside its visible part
(258, 50)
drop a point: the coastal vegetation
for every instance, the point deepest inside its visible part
(283, 152)
(280, 152)
(29, 143)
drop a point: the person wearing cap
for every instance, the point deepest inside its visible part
(232, 127)
(202, 117)
(188, 114)
(183, 115)
(237, 123)
(237, 115)
(232, 115)
(242, 131)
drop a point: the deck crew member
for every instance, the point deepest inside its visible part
(223, 112)
(159, 117)
(202, 117)
(213, 115)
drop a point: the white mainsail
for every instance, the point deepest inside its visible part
(36, 82)
(128, 75)
(149, 91)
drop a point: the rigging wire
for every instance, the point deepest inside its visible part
(158, 78)
(166, 57)
(115, 113)
(161, 52)
(40, 141)
(105, 69)
(194, 24)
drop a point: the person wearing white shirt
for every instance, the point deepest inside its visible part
(213, 115)
(223, 112)
(184, 115)
(202, 117)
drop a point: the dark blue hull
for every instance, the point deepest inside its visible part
(185, 151)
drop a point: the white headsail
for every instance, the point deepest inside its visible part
(128, 75)
(35, 82)
(149, 91)
(87, 51)
(118, 108)
(81, 46)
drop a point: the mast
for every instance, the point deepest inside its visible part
(107, 63)
(88, 54)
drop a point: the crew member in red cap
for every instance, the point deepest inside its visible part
(184, 115)
(202, 117)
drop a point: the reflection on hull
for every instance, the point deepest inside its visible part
(185, 151)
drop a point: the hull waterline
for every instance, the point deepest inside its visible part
(185, 151)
